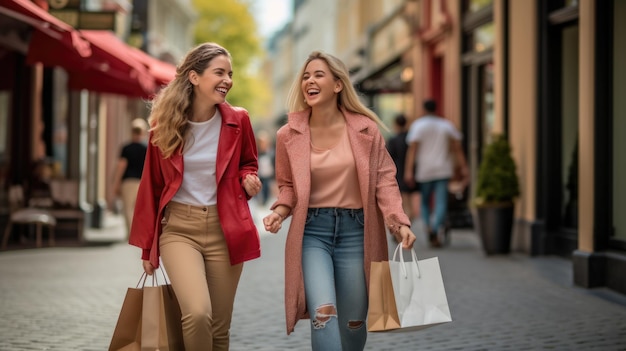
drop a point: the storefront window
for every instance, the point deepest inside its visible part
(477, 5)
(619, 119)
(569, 125)
(390, 105)
(5, 103)
(483, 37)
(60, 125)
(487, 103)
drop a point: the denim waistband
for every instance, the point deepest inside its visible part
(336, 211)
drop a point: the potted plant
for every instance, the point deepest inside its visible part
(497, 187)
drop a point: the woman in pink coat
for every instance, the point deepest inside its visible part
(337, 181)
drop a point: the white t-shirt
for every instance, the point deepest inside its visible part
(434, 160)
(199, 187)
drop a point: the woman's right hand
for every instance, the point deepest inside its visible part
(148, 267)
(273, 222)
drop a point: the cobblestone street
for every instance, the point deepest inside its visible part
(68, 298)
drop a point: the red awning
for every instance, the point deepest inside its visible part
(53, 42)
(163, 72)
(95, 60)
(113, 68)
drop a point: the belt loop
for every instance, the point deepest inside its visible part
(316, 211)
(188, 210)
(336, 211)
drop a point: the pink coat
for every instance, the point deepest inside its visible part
(379, 191)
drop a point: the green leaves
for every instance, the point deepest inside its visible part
(497, 177)
(231, 24)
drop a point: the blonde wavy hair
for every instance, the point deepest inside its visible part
(346, 98)
(171, 107)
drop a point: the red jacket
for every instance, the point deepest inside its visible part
(161, 179)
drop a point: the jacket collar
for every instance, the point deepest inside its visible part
(228, 118)
(228, 113)
(299, 121)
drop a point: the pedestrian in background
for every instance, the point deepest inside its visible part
(397, 147)
(336, 179)
(435, 146)
(192, 206)
(129, 169)
(266, 166)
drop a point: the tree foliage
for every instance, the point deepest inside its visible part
(231, 24)
(497, 176)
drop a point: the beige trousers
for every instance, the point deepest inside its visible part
(196, 259)
(129, 189)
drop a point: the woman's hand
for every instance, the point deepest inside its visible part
(252, 184)
(405, 236)
(148, 267)
(273, 222)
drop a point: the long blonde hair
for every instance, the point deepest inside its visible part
(347, 97)
(172, 105)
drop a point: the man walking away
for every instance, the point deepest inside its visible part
(435, 145)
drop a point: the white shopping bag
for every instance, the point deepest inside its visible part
(419, 292)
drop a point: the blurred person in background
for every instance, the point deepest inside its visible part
(266, 165)
(129, 169)
(192, 206)
(336, 179)
(397, 147)
(435, 146)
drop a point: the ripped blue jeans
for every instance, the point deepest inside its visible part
(334, 278)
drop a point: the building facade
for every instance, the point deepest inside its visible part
(70, 93)
(547, 74)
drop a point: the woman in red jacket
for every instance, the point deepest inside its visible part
(192, 206)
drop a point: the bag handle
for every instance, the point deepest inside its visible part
(164, 277)
(155, 280)
(413, 256)
(143, 277)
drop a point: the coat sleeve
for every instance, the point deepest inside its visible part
(142, 232)
(248, 161)
(284, 176)
(387, 189)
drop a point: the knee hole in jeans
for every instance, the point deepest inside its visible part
(354, 325)
(323, 315)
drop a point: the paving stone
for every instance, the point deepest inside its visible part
(68, 298)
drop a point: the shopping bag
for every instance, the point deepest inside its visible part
(161, 326)
(381, 314)
(419, 292)
(127, 333)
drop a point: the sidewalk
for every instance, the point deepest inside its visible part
(511, 302)
(68, 298)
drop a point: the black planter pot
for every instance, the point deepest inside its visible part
(495, 226)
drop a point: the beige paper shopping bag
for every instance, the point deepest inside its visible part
(161, 327)
(127, 333)
(382, 314)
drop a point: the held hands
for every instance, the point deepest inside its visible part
(405, 236)
(252, 184)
